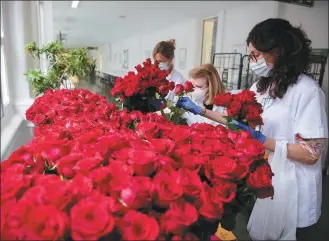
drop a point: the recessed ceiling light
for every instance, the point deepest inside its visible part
(75, 4)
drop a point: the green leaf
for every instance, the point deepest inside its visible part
(232, 127)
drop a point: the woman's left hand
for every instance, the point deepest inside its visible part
(156, 103)
(187, 104)
(256, 134)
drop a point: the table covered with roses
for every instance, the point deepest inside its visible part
(95, 172)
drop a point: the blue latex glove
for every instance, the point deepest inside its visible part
(255, 134)
(187, 104)
(156, 103)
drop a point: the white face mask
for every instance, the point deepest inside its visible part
(198, 95)
(260, 68)
(163, 66)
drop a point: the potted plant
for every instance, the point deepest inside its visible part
(64, 64)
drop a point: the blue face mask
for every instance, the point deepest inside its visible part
(163, 66)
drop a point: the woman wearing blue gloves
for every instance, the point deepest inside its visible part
(294, 114)
(207, 85)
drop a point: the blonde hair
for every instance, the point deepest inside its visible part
(215, 85)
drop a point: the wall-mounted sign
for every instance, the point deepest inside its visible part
(182, 58)
(125, 59)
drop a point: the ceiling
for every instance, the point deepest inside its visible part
(99, 22)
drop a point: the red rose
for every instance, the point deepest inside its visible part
(179, 89)
(171, 85)
(49, 223)
(39, 119)
(41, 179)
(261, 181)
(142, 161)
(225, 167)
(13, 186)
(12, 222)
(181, 151)
(90, 220)
(138, 194)
(180, 134)
(85, 165)
(53, 150)
(138, 68)
(163, 146)
(234, 108)
(223, 99)
(82, 186)
(50, 194)
(251, 148)
(208, 209)
(188, 86)
(138, 226)
(120, 176)
(191, 162)
(223, 190)
(147, 130)
(164, 89)
(24, 155)
(178, 217)
(253, 112)
(166, 187)
(190, 180)
(65, 164)
(247, 96)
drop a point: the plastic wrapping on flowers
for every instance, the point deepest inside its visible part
(92, 172)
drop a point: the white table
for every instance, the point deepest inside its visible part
(113, 72)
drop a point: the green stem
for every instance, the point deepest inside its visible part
(164, 115)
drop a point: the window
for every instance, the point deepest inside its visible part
(41, 31)
(4, 78)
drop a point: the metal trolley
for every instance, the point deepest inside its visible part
(229, 67)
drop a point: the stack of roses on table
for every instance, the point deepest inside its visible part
(92, 172)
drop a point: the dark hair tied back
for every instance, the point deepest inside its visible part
(165, 48)
(292, 48)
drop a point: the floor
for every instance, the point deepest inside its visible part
(320, 231)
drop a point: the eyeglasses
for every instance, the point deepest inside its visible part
(252, 58)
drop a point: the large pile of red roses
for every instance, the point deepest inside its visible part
(93, 172)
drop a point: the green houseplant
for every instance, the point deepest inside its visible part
(73, 63)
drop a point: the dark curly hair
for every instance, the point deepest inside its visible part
(292, 47)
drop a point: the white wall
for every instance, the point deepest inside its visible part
(233, 28)
(236, 23)
(187, 35)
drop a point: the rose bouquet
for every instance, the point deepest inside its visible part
(145, 89)
(138, 90)
(93, 172)
(242, 107)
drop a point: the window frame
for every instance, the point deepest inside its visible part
(6, 105)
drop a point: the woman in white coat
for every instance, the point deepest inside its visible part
(207, 85)
(294, 113)
(164, 52)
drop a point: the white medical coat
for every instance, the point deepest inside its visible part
(177, 78)
(301, 111)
